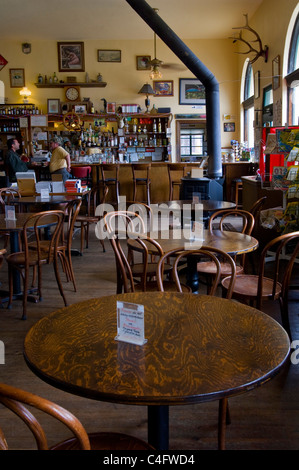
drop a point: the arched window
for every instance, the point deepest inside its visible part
(292, 77)
(248, 106)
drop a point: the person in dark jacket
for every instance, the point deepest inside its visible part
(13, 160)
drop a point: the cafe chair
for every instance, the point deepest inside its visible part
(110, 178)
(6, 196)
(85, 220)
(35, 258)
(236, 192)
(83, 173)
(15, 400)
(141, 178)
(255, 289)
(207, 268)
(132, 276)
(193, 255)
(176, 171)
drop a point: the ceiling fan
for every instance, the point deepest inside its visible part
(156, 64)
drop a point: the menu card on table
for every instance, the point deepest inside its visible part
(130, 323)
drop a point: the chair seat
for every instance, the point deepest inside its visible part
(247, 285)
(106, 441)
(137, 269)
(87, 218)
(208, 267)
(18, 259)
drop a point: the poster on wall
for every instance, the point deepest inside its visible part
(191, 91)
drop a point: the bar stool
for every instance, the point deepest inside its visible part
(141, 181)
(83, 173)
(237, 188)
(110, 181)
(175, 172)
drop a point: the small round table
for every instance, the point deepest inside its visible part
(198, 349)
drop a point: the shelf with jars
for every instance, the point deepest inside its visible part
(18, 109)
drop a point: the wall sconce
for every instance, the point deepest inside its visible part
(26, 48)
(25, 93)
(147, 90)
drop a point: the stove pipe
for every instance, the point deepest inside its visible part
(200, 71)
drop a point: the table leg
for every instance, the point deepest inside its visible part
(192, 274)
(158, 427)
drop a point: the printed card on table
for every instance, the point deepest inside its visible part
(130, 323)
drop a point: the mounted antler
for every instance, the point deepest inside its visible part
(261, 52)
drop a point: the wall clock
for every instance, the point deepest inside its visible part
(72, 93)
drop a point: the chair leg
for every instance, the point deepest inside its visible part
(56, 269)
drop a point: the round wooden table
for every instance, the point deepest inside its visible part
(198, 349)
(233, 243)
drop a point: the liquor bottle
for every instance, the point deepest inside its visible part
(159, 126)
(55, 79)
(154, 126)
(39, 79)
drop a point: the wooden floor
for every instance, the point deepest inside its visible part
(266, 418)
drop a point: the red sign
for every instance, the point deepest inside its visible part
(3, 62)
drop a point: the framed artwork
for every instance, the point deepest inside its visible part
(111, 108)
(191, 91)
(70, 56)
(276, 72)
(17, 78)
(257, 84)
(229, 127)
(53, 106)
(80, 108)
(143, 62)
(109, 55)
(163, 87)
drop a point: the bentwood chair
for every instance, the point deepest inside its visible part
(205, 252)
(132, 275)
(6, 196)
(207, 268)
(35, 258)
(258, 288)
(85, 220)
(15, 400)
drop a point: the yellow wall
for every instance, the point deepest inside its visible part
(124, 80)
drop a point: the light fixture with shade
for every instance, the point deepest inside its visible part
(146, 90)
(25, 93)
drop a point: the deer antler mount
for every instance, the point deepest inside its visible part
(258, 51)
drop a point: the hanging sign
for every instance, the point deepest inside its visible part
(3, 62)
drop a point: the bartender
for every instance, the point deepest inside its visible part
(60, 162)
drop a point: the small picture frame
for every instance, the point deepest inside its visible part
(257, 84)
(109, 55)
(191, 91)
(143, 62)
(70, 56)
(111, 108)
(53, 106)
(80, 108)
(276, 72)
(163, 87)
(229, 127)
(17, 78)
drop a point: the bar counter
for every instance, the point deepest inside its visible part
(158, 174)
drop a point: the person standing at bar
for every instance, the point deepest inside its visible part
(13, 160)
(60, 162)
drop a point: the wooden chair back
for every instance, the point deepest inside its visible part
(14, 399)
(7, 195)
(176, 171)
(278, 245)
(124, 222)
(205, 253)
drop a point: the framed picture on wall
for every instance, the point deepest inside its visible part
(191, 91)
(70, 56)
(163, 87)
(17, 78)
(111, 108)
(53, 106)
(109, 55)
(143, 62)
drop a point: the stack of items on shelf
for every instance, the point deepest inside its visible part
(74, 186)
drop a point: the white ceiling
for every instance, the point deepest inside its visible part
(28, 20)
